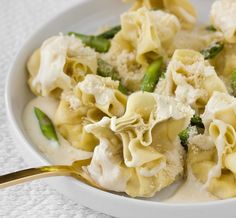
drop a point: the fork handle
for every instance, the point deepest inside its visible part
(33, 174)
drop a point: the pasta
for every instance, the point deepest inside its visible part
(190, 79)
(70, 120)
(223, 18)
(61, 62)
(141, 33)
(150, 101)
(85, 105)
(215, 165)
(181, 8)
(152, 154)
(103, 93)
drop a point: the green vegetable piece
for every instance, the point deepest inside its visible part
(101, 45)
(46, 125)
(109, 34)
(152, 76)
(211, 28)
(183, 136)
(213, 50)
(233, 82)
(163, 75)
(107, 70)
(123, 89)
(197, 121)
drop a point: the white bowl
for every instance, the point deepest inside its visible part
(87, 17)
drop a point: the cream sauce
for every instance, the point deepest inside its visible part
(62, 153)
(191, 191)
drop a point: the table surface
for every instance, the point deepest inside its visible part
(18, 19)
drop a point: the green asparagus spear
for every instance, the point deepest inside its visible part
(152, 76)
(213, 50)
(233, 82)
(123, 89)
(183, 136)
(46, 125)
(197, 121)
(106, 70)
(211, 28)
(109, 34)
(98, 43)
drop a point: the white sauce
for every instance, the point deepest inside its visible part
(57, 154)
(191, 191)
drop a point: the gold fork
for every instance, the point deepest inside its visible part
(75, 170)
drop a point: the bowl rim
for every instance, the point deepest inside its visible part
(27, 146)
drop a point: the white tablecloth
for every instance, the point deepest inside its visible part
(18, 19)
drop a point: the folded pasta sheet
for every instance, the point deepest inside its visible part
(212, 155)
(190, 79)
(144, 142)
(59, 64)
(146, 33)
(102, 93)
(183, 9)
(89, 101)
(70, 118)
(223, 17)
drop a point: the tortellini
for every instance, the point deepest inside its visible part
(214, 165)
(144, 142)
(223, 17)
(146, 33)
(103, 93)
(90, 100)
(183, 9)
(107, 167)
(59, 64)
(70, 119)
(190, 79)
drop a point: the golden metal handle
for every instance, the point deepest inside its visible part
(34, 173)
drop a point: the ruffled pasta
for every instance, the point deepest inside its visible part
(214, 165)
(223, 16)
(70, 118)
(91, 99)
(190, 79)
(146, 33)
(183, 9)
(61, 62)
(147, 151)
(103, 93)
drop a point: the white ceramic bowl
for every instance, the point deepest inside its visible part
(87, 17)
